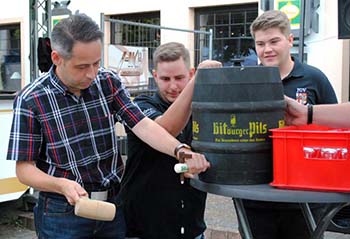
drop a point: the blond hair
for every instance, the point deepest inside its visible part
(271, 19)
(169, 52)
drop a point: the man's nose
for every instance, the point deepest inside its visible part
(267, 48)
(173, 84)
(90, 73)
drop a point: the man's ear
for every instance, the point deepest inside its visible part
(154, 73)
(192, 71)
(155, 76)
(291, 39)
(56, 58)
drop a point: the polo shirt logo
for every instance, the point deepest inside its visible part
(148, 112)
(301, 95)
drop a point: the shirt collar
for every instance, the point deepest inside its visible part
(297, 71)
(164, 103)
(56, 82)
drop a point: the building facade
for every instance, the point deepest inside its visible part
(217, 29)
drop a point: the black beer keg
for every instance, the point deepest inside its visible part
(233, 109)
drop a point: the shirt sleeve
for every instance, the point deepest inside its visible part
(25, 140)
(126, 111)
(148, 106)
(326, 92)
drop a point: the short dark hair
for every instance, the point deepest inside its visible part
(171, 51)
(77, 27)
(271, 19)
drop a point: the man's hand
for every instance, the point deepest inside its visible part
(295, 113)
(30, 175)
(196, 163)
(209, 64)
(72, 190)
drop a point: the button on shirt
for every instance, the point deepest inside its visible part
(69, 136)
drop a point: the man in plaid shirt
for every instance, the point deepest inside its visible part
(63, 135)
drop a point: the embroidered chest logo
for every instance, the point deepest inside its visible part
(301, 95)
(148, 112)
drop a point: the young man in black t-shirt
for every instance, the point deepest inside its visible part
(156, 204)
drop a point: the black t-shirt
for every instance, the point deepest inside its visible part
(156, 204)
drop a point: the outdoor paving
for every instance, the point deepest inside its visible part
(222, 222)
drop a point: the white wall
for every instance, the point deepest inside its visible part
(326, 51)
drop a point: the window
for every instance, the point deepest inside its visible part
(130, 35)
(10, 63)
(232, 41)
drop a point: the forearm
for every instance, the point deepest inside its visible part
(177, 115)
(158, 138)
(332, 115)
(155, 136)
(30, 175)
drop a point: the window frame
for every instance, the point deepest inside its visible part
(5, 23)
(213, 12)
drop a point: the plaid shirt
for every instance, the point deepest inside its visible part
(69, 136)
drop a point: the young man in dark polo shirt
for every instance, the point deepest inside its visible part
(306, 84)
(156, 204)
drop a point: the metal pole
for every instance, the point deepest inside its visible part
(102, 27)
(210, 32)
(310, 221)
(49, 18)
(301, 31)
(155, 26)
(34, 43)
(242, 218)
(42, 27)
(210, 44)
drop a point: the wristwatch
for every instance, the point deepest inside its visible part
(180, 146)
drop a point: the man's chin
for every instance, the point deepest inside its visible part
(170, 99)
(85, 86)
(270, 63)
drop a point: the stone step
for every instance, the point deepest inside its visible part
(27, 220)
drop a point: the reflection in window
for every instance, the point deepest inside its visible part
(221, 31)
(206, 20)
(232, 41)
(222, 19)
(10, 63)
(130, 35)
(237, 17)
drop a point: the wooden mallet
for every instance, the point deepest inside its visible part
(94, 209)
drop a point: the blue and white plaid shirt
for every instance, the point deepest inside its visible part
(69, 136)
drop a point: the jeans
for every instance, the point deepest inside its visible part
(54, 218)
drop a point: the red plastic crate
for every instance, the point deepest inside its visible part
(311, 157)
